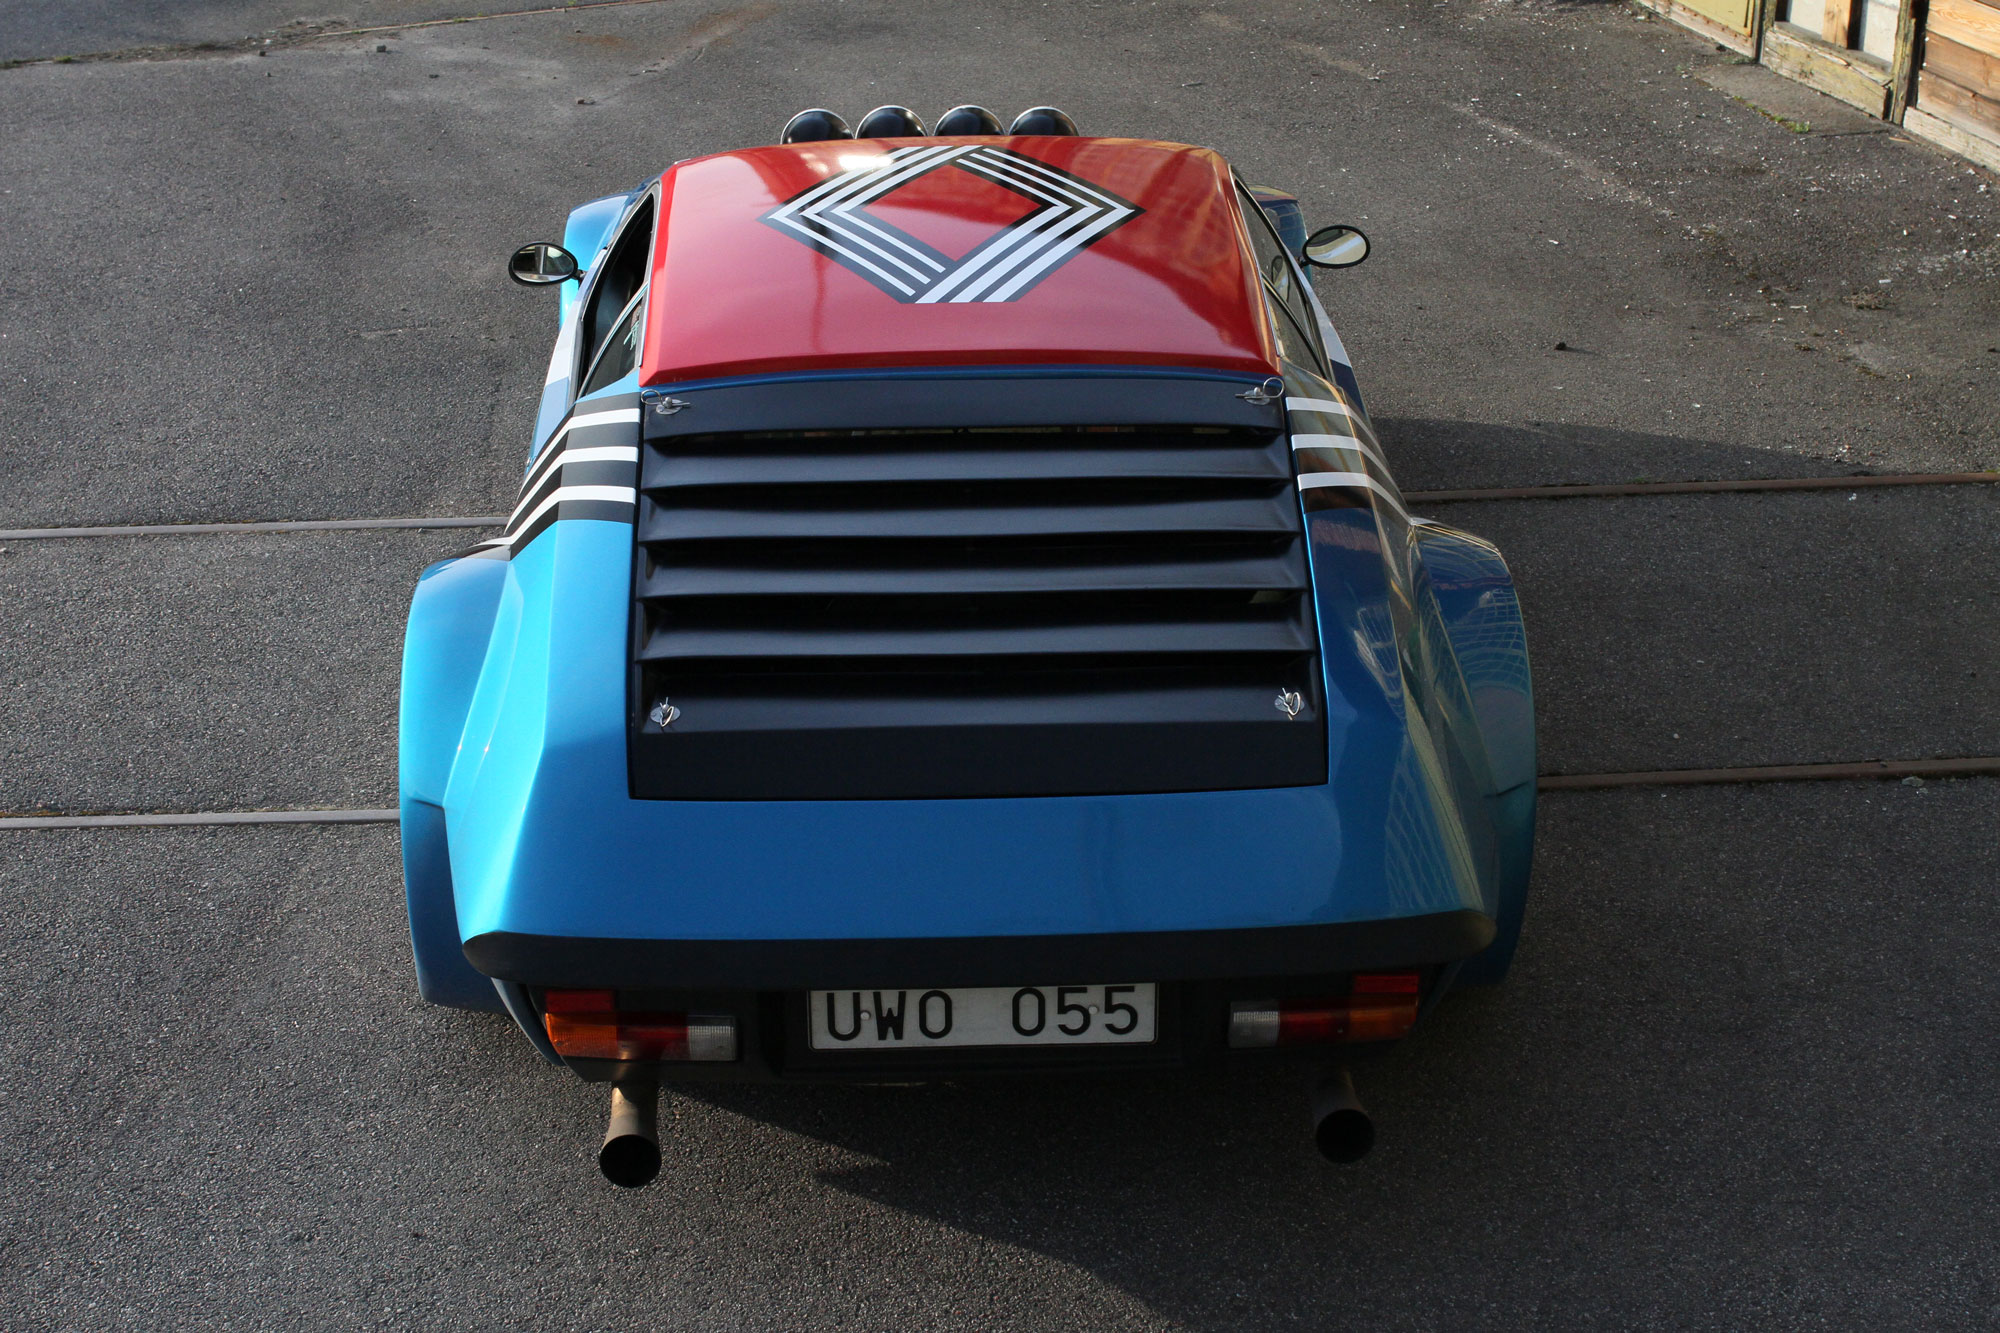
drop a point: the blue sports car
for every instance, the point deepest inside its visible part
(957, 619)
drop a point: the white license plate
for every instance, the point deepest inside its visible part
(872, 1020)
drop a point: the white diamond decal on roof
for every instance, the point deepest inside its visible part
(1070, 214)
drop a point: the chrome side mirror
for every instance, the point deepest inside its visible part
(1335, 247)
(542, 263)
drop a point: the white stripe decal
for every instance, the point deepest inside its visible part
(564, 352)
(628, 415)
(1087, 215)
(976, 278)
(1318, 405)
(514, 519)
(1315, 480)
(603, 453)
(856, 223)
(1028, 169)
(1056, 255)
(1055, 192)
(854, 231)
(616, 494)
(969, 277)
(1349, 442)
(847, 180)
(822, 239)
(539, 469)
(836, 209)
(873, 181)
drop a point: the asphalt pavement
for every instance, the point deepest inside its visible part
(1741, 1076)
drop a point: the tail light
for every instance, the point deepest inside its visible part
(1379, 1006)
(586, 1025)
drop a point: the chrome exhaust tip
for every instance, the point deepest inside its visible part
(630, 1155)
(1343, 1131)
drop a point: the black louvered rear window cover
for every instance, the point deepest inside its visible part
(990, 610)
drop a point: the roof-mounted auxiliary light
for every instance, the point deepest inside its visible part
(890, 122)
(814, 126)
(965, 121)
(1043, 120)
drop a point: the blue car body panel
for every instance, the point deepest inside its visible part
(515, 726)
(585, 235)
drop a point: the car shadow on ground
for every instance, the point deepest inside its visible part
(1736, 1044)
(1439, 454)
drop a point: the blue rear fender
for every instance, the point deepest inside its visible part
(444, 649)
(1481, 615)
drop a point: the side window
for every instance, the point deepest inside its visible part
(1275, 266)
(619, 279)
(621, 349)
(1294, 343)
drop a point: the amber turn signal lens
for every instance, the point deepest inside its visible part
(1379, 1006)
(584, 1025)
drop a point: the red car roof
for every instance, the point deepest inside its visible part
(952, 252)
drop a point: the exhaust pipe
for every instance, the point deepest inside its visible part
(630, 1156)
(1342, 1129)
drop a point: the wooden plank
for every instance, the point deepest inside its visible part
(1961, 106)
(1731, 14)
(1903, 64)
(1967, 22)
(1743, 43)
(1837, 23)
(1962, 65)
(1948, 136)
(1850, 76)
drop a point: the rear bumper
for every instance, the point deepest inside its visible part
(1003, 960)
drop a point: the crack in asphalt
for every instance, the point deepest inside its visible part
(302, 33)
(1913, 771)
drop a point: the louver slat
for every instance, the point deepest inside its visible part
(1269, 515)
(949, 573)
(1134, 463)
(1193, 638)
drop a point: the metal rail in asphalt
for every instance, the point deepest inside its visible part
(1864, 482)
(280, 525)
(1872, 770)
(199, 819)
(1876, 769)
(1415, 497)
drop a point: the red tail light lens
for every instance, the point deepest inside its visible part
(1379, 1006)
(585, 1025)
